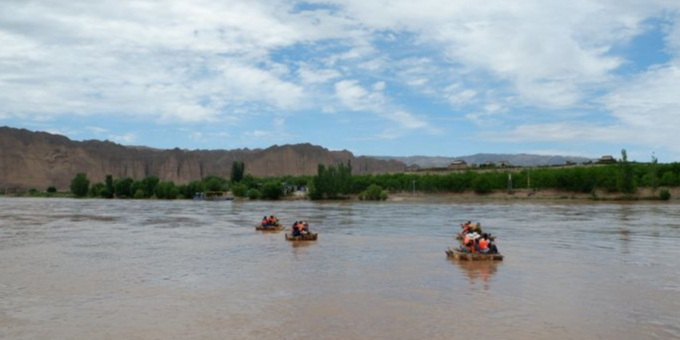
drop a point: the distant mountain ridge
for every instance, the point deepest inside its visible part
(39, 159)
(481, 158)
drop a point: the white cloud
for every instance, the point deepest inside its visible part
(96, 129)
(356, 98)
(309, 75)
(127, 138)
(208, 61)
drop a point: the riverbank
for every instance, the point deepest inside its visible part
(643, 194)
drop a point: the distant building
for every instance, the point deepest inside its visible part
(458, 165)
(503, 164)
(606, 159)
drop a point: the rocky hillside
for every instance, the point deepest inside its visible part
(38, 160)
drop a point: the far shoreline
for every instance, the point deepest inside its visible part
(519, 195)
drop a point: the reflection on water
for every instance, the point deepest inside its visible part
(116, 269)
(478, 271)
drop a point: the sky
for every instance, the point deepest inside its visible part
(380, 77)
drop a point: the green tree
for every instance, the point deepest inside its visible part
(374, 193)
(51, 190)
(625, 182)
(109, 191)
(139, 193)
(80, 185)
(253, 194)
(669, 179)
(123, 187)
(481, 184)
(96, 189)
(272, 190)
(239, 190)
(148, 184)
(215, 183)
(330, 182)
(237, 171)
(651, 179)
(166, 190)
(192, 188)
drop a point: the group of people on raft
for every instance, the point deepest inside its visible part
(270, 222)
(300, 228)
(473, 240)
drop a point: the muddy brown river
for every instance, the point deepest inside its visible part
(125, 269)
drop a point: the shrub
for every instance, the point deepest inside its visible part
(139, 193)
(665, 195)
(51, 190)
(97, 189)
(253, 194)
(239, 190)
(80, 185)
(374, 192)
(272, 190)
(166, 190)
(481, 184)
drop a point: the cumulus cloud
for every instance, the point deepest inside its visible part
(357, 98)
(208, 61)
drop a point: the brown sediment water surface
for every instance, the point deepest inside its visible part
(127, 269)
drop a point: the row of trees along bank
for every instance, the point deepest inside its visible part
(334, 182)
(241, 185)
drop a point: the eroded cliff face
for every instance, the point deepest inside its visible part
(39, 160)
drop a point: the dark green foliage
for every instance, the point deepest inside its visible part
(373, 193)
(272, 190)
(123, 187)
(626, 181)
(665, 195)
(148, 185)
(109, 190)
(669, 179)
(139, 193)
(254, 194)
(51, 190)
(215, 183)
(237, 171)
(239, 190)
(166, 190)
(189, 190)
(331, 182)
(137, 187)
(33, 192)
(96, 189)
(80, 185)
(482, 184)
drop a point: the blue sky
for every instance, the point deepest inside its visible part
(385, 77)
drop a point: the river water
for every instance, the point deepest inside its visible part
(124, 269)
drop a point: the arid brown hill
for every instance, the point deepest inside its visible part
(39, 159)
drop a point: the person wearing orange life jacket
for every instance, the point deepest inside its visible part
(265, 221)
(483, 244)
(302, 229)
